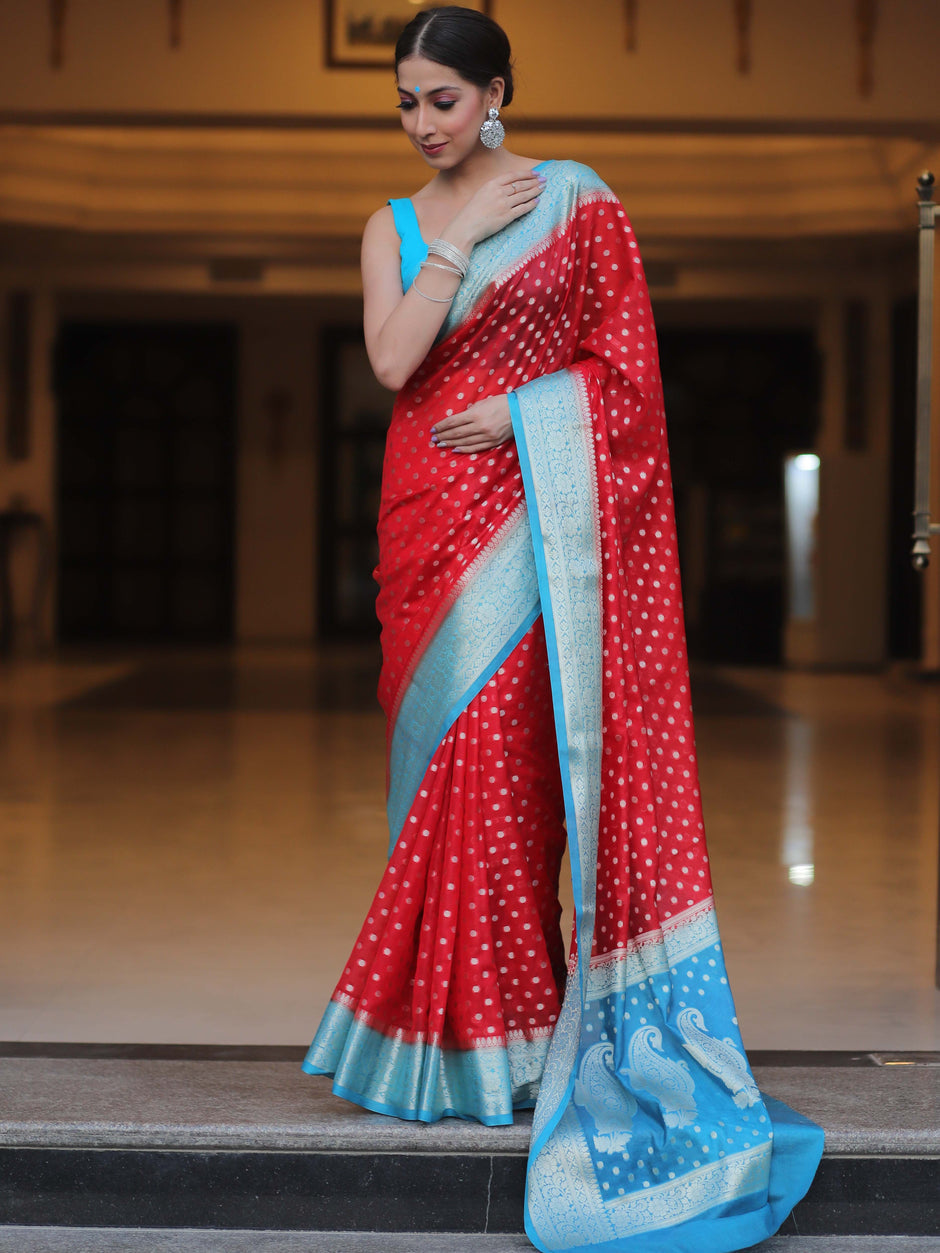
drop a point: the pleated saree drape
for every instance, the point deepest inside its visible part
(536, 682)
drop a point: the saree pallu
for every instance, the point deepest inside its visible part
(535, 675)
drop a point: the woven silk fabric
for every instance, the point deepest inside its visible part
(535, 680)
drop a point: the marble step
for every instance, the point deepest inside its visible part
(192, 1240)
(207, 1143)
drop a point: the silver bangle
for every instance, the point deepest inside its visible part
(433, 265)
(450, 252)
(438, 300)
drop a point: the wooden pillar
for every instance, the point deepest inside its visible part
(29, 482)
(930, 605)
(830, 338)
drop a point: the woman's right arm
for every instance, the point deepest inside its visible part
(401, 328)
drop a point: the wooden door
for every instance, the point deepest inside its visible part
(145, 481)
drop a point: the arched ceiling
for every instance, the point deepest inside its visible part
(323, 184)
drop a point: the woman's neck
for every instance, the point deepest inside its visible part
(460, 182)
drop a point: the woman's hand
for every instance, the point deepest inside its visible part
(493, 206)
(479, 428)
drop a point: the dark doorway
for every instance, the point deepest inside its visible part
(736, 402)
(146, 426)
(356, 412)
(905, 585)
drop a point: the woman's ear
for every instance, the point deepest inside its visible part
(494, 99)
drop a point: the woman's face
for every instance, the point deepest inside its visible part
(441, 112)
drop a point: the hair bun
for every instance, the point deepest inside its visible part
(465, 40)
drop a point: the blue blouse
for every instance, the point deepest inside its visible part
(413, 249)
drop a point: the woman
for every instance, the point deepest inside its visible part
(535, 678)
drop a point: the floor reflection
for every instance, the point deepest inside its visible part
(188, 843)
(796, 829)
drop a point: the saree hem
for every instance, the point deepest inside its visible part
(422, 1081)
(411, 1115)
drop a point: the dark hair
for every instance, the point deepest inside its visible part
(463, 39)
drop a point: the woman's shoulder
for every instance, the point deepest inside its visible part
(575, 172)
(380, 234)
(381, 222)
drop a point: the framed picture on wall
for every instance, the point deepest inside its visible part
(361, 34)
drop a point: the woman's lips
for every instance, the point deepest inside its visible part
(433, 149)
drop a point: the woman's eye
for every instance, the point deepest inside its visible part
(405, 104)
(446, 104)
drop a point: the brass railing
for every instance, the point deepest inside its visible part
(923, 527)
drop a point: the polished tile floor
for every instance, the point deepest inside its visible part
(188, 843)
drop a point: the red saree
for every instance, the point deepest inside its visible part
(535, 673)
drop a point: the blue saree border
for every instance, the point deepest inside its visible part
(667, 1145)
(421, 1081)
(497, 606)
(542, 410)
(647, 1043)
(499, 255)
(554, 397)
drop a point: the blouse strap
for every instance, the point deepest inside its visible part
(406, 220)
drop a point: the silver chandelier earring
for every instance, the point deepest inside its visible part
(492, 132)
